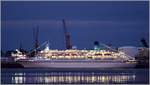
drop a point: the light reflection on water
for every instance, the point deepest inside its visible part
(71, 77)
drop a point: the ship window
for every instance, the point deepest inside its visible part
(89, 57)
(107, 54)
(98, 54)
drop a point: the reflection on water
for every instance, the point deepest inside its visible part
(70, 77)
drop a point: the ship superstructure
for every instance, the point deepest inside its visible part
(83, 54)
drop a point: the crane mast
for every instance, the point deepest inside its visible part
(67, 36)
(36, 36)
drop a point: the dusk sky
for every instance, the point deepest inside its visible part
(111, 22)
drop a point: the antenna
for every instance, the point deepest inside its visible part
(20, 46)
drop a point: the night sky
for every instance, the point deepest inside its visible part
(116, 23)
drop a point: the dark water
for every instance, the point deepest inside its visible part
(49, 76)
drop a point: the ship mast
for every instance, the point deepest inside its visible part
(67, 36)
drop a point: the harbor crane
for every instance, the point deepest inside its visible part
(67, 36)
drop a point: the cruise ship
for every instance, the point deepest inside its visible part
(73, 58)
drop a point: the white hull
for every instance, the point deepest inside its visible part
(77, 64)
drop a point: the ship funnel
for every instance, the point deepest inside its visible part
(47, 47)
(96, 45)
